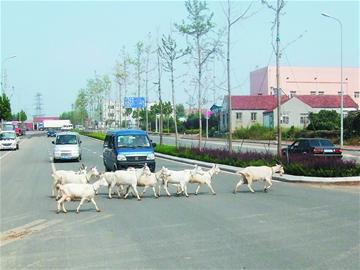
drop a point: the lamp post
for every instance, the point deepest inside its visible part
(341, 81)
(3, 72)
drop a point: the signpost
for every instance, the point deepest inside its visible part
(134, 102)
(207, 115)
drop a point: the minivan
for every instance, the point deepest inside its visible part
(128, 148)
(67, 146)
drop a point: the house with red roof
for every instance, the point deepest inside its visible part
(295, 111)
(249, 110)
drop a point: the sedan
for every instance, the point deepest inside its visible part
(313, 146)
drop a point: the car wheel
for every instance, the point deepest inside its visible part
(115, 168)
(17, 147)
(54, 160)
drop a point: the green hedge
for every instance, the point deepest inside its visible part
(302, 166)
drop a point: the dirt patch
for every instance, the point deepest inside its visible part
(14, 235)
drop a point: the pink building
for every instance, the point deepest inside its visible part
(306, 81)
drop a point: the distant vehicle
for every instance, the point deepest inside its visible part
(51, 132)
(67, 146)
(80, 127)
(9, 140)
(7, 126)
(128, 148)
(50, 123)
(314, 147)
(20, 129)
(67, 127)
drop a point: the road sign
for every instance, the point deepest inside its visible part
(134, 102)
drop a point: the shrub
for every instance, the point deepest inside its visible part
(255, 131)
(298, 165)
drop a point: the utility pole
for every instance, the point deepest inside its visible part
(160, 99)
(278, 91)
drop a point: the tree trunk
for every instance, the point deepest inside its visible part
(199, 90)
(174, 107)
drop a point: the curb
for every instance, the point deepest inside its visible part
(283, 178)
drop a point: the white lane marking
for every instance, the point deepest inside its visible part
(21, 142)
(18, 233)
(101, 156)
(52, 164)
(5, 155)
(95, 153)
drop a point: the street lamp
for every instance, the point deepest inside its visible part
(3, 71)
(341, 81)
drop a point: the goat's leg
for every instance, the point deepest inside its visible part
(211, 188)
(184, 188)
(143, 192)
(267, 181)
(197, 189)
(249, 186)
(156, 196)
(80, 204)
(59, 204)
(166, 189)
(96, 207)
(110, 186)
(136, 192)
(238, 185)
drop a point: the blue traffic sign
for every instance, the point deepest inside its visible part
(134, 102)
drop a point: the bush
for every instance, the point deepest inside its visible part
(298, 165)
(96, 135)
(256, 131)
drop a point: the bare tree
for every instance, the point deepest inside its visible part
(199, 27)
(280, 5)
(169, 54)
(121, 74)
(159, 67)
(231, 22)
(138, 63)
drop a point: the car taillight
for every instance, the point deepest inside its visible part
(338, 150)
(317, 150)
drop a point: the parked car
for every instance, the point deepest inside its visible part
(128, 148)
(9, 140)
(313, 146)
(67, 146)
(51, 132)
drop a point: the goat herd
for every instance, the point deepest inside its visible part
(71, 185)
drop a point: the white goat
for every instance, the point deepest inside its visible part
(146, 179)
(122, 178)
(258, 173)
(62, 173)
(205, 178)
(84, 191)
(69, 177)
(179, 178)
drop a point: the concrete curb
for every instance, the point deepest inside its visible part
(283, 178)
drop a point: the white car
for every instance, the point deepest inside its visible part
(67, 146)
(9, 140)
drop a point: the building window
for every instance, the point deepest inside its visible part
(313, 93)
(285, 119)
(304, 120)
(339, 93)
(357, 94)
(238, 116)
(253, 116)
(321, 93)
(292, 93)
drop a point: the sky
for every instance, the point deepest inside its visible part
(59, 45)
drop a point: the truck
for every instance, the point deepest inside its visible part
(56, 124)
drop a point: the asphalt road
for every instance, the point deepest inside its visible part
(290, 227)
(245, 146)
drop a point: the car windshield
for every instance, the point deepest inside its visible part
(321, 143)
(7, 127)
(132, 141)
(7, 136)
(66, 139)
